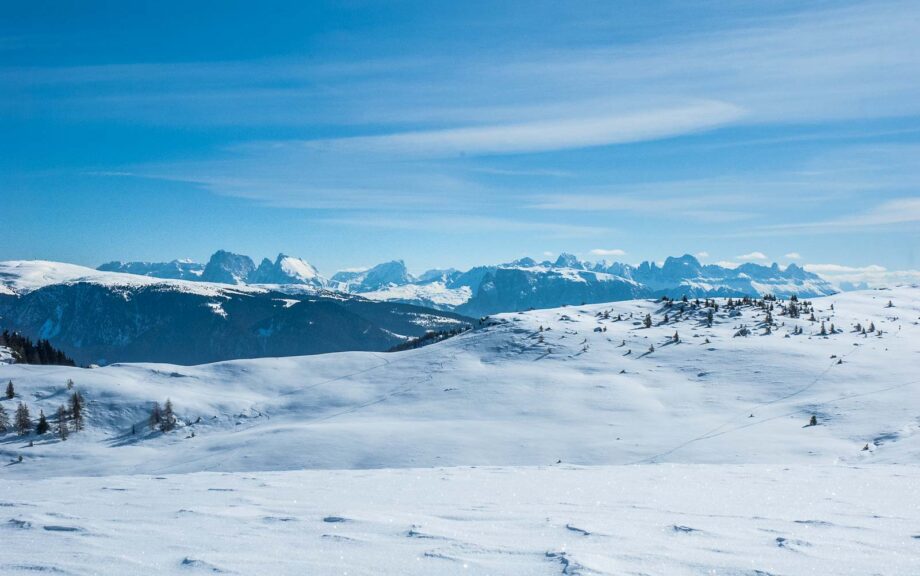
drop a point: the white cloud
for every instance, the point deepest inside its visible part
(891, 212)
(702, 254)
(727, 264)
(873, 275)
(544, 134)
(608, 252)
(548, 254)
(753, 256)
(793, 256)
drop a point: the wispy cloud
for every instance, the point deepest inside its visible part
(608, 252)
(793, 256)
(891, 212)
(544, 135)
(753, 256)
(727, 264)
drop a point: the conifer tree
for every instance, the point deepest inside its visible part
(156, 416)
(42, 427)
(23, 420)
(76, 411)
(4, 420)
(10, 391)
(648, 321)
(62, 422)
(169, 417)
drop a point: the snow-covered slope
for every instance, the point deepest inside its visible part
(24, 276)
(510, 394)
(724, 475)
(176, 269)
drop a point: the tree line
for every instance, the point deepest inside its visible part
(28, 352)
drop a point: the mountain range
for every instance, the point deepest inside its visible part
(184, 312)
(517, 285)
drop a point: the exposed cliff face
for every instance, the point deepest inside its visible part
(228, 268)
(286, 270)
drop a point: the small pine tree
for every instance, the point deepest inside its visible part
(10, 391)
(648, 321)
(76, 411)
(169, 417)
(23, 419)
(676, 338)
(4, 420)
(813, 421)
(156, 416)
(823, 329)
(42, 427)
(62, 422)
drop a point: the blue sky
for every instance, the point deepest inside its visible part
(454, 134)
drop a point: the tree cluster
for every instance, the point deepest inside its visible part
(163, 419)
(28, 352)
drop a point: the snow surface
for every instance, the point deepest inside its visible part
(22, 276)
(663, 519)
(691, 459)
(432, 294)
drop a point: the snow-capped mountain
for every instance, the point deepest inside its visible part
(228, 268)
(686, 275)
(381, 276)
(286, 270)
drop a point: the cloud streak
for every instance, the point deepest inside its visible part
(544, 135)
